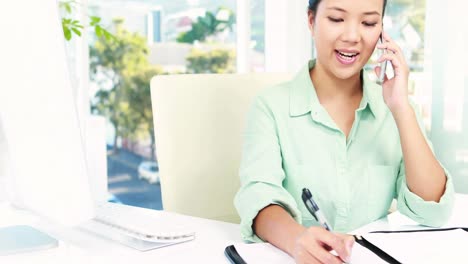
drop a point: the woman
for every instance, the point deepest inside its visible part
(356, 145)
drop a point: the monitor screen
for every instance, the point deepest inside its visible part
(42, 149)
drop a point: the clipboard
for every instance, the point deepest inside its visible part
(385, 255)
(235, 258)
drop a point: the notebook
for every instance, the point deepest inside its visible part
(428, 246)
(267, 253)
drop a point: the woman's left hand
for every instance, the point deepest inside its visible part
(395, 90)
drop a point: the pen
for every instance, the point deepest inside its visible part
(313, 208)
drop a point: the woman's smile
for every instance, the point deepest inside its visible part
(346, 57)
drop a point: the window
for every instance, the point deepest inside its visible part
(150, 38)
(257, 44)
(429, 34)
(405, 22)
(447, 74)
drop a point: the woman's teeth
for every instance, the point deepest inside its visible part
(347, 56)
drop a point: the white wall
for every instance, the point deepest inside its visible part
(288, 42)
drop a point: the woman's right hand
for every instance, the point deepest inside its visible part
(315, 243)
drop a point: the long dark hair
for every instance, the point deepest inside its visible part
(313, 4)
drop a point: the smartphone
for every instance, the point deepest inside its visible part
(383, 65)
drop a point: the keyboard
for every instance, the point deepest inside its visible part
(117, 220)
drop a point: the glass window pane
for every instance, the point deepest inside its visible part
(429, 35)
(449, 79)
(258, 36)
(149, 38)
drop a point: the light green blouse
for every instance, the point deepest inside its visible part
(291, 142)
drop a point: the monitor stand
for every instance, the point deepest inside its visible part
(22, 239)
(17, 238)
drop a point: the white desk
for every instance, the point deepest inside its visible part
(78, 246)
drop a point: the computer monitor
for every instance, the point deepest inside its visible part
(41, 146)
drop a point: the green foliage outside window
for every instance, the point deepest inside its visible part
(72, 26)
(119, 65)
(122, 63)
(413, 13)
(213, 61)
(138, 95)
(208, 25)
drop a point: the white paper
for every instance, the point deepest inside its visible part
(263, 253)
(267, 253)
(361, 254)
(424, 247)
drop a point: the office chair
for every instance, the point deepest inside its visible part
(198, 124)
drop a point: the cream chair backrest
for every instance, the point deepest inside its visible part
(198, 124)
